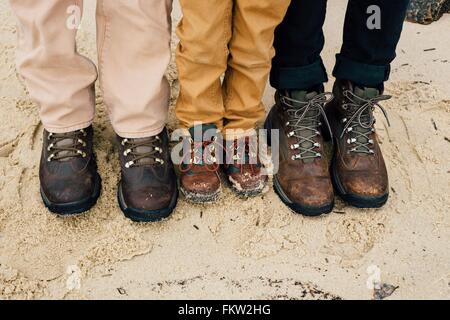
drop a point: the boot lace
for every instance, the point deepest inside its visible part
(202, 153)
(361, 121)
(61, 151)
(243, 153)
(133, 148)
(304, 121)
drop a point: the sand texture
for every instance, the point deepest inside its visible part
(254, 248)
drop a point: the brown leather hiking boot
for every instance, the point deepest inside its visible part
(148, 188)
(303, 182)
(68, 174)
(243, 167)
(358, 170)
(199, 178)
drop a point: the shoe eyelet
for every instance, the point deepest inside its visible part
(50, 147)
(129, 164)
(82, 142)
(124, 141)
(50, 158)
(83, 154)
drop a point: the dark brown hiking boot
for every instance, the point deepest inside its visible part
(199, 178)
(243, 167)
(358, 170)
(148, 188)
(303, 181)
(68, 174)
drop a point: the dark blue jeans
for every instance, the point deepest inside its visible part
(366, 53)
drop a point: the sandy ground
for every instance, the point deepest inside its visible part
(253, 248)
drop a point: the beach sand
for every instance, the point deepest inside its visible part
(255, 248)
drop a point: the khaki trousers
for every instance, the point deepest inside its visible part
(133, 53)
(232, 38)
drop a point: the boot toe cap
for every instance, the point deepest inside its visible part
(65, 192)
(201, 184)
(248, 181)
(368, 185)
(317, 194)
(148, 198)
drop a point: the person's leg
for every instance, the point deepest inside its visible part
(302, 182)
(372, 31)
(202, 54)
(134, 53)
(61, 81)
(58, 78)
(299, 41)
(371, 34)
(251, 53)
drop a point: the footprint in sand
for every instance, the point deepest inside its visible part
(352, 238)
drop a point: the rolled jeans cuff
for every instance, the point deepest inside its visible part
(360, 73)
(301, 78)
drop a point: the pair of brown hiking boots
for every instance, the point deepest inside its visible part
(206, 153)
(70, 183)
(305, 182)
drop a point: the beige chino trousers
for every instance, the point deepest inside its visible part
(232, 38)
(133, 39)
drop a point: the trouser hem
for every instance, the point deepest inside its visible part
(75, 127)
(301, 78)
(140, 134)
(360, 73)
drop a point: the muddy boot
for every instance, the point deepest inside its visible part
(68, 174)
(358, 170)
(199, 178)
(243, 167)
(148, 188)
(303, 181)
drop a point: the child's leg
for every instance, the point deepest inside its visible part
(254, 23)
(202, 54)
(57, 77)
(134, 52)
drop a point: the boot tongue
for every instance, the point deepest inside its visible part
(143, 149)
(66, 143)
(366, 93)
(309, 120)
(197, 132)
(302, 96)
